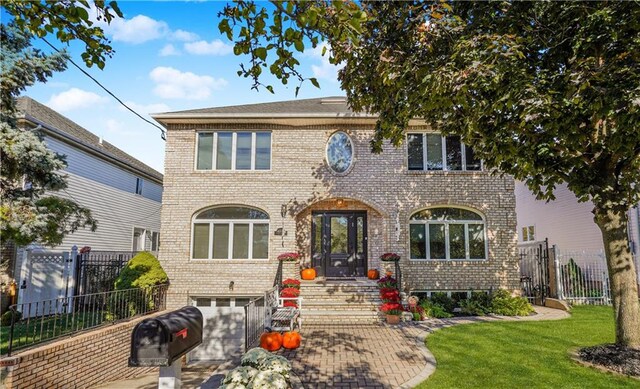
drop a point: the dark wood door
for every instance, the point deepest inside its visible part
(339, 243)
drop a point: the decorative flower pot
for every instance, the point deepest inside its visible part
(373, 274)
(308, 274)
(393, 319)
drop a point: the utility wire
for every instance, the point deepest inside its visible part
(162, 131)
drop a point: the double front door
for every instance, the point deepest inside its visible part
(339, 243)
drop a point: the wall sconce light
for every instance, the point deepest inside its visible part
(231, 286)
(278, 232)
(340, 202)
(283, 210)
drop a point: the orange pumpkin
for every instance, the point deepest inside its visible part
(373, 274)
(271, 341)
(291, 340)
(308, 274)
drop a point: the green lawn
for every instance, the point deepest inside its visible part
(523, 354)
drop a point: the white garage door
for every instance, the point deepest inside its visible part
(223, 328)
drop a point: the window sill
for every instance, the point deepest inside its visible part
(447, 260)
(232, 171)
(230, 261)
(446, 172)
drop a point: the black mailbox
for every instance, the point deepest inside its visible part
(161, 340)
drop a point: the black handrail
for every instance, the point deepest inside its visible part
(398, 275)
(278, 280)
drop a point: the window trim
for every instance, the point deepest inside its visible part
(230, 223)
(353, 153)
(443, 146)
(234, 137)
(447, 242)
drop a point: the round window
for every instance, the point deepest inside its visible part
(339, 152)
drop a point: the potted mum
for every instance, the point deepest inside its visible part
(392, 310)
(289, 257)
(389, 257)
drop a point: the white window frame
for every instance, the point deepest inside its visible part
(447, 242)
(444, 154)
(230, 223)
(234, 144)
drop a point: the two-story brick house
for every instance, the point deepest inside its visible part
(245, 183)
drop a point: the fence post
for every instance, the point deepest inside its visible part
(551, 271)
(556, 272)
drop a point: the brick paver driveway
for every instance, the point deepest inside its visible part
(358, 356)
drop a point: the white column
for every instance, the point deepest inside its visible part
(171, 376)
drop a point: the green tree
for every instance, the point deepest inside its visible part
(31, 173)
(548, 92)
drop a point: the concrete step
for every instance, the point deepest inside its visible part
(329, 306)
(338, 316)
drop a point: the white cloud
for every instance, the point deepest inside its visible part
(75, 98)
(185, 36)
(324, 70)
(168, 50)
(215, 47)
(173, 84)
(138, 29)
(146, 108)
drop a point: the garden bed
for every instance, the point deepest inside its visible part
(612, 357)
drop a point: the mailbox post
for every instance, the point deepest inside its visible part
(163, 340)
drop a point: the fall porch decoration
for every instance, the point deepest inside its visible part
(271, 341)
(289, 257)
(373, 274)
(390, 257)
(308, 274)
(291, 340)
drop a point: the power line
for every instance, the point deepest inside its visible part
(162, 131)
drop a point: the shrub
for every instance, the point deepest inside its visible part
(444, 301)
(261, 369)
(436, 310)
(142, 271)
(506, 305)
(5, 320)
(392, 308)
(479, 304)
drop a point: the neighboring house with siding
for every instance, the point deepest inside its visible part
(246, 183)
(123, 194)
(567, 223)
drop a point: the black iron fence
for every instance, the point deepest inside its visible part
(97, 271)
(40, 321)
(534, 271)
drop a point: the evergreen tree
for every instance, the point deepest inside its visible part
(30, 171)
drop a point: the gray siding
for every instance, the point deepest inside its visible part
(118, 212)
(88, 166)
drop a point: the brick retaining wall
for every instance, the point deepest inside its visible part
(82, 361)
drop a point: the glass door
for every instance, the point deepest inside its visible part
(339, 243)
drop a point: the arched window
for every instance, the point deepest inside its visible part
(446, 233)
(230, 233)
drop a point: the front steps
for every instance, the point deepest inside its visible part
(339, 302)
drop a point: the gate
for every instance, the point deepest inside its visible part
(46, 276)
(534, 271)
(97, 271)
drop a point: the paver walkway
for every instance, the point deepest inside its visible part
(376, 356)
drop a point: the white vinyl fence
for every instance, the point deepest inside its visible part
(582, 277)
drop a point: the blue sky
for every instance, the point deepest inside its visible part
(169, 57)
